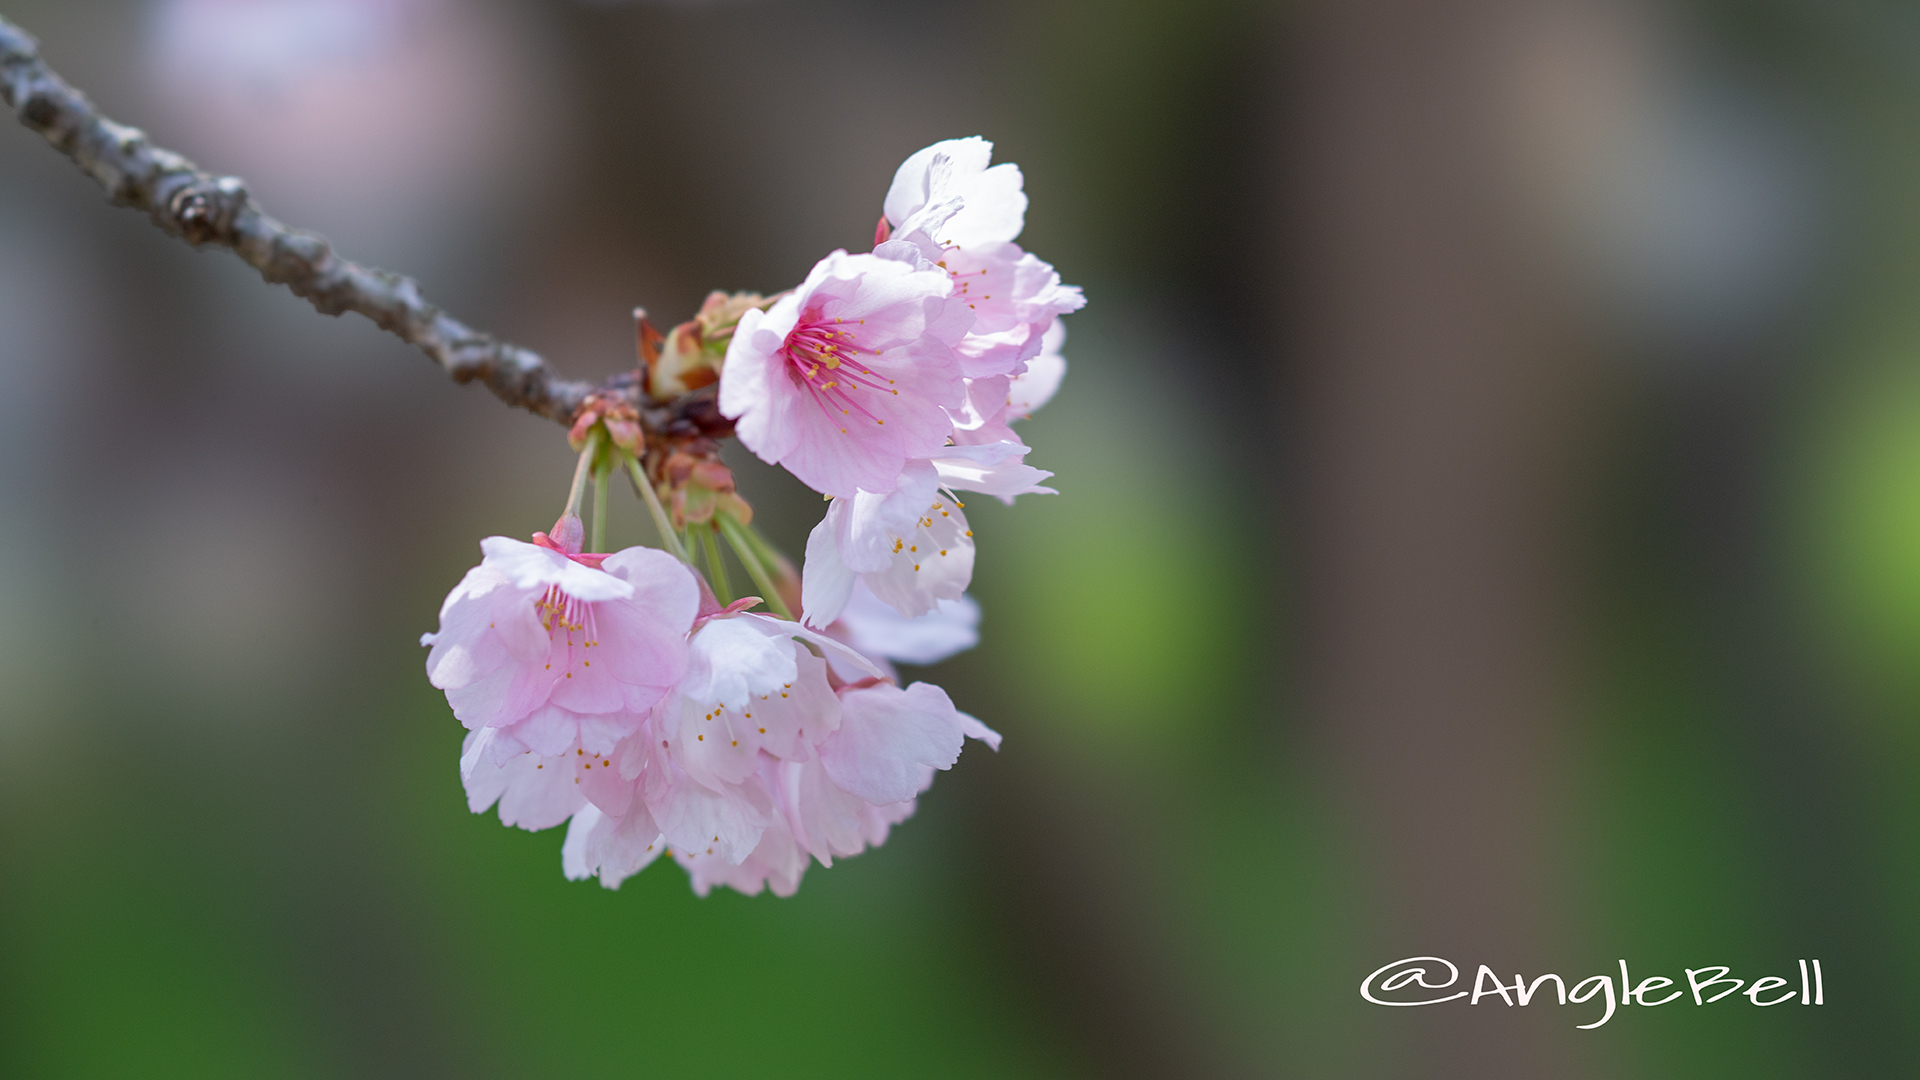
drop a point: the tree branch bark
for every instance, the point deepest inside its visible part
(204, 209)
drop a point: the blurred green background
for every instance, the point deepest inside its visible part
(1489, 527)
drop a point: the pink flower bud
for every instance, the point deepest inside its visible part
(567, 535)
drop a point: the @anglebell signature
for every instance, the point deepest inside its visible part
(1414, 981)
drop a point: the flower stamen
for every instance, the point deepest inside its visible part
(821, 358)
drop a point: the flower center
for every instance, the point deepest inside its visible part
(823, 357)
(564, 615)
(561, 613)
(925, 542)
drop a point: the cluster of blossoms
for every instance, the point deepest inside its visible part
(631, 696)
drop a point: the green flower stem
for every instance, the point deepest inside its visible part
(738, 537)
(600, 507)
(771, 557)
(720, 583)
(581, 470)
(644, 486)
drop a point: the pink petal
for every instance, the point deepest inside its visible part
(887, 738)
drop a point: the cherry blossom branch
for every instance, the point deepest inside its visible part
(203, 209)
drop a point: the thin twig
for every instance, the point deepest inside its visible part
(204, 209)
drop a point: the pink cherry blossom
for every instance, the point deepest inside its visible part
(539, 791)
(995, 404)
(879, 632)
(760, 759)
(1036, 386)
(612, 848)
(948, 209)
(911, 546)
(887, 739)
(848, 377)
(848, 797)
(614, 692)
(550, 652)
(776, 864)
(995, 204)
(751, 688)
(1014, 298)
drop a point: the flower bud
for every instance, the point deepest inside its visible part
(690, 355)
(701, 488)
(566, 537)
(621, 419)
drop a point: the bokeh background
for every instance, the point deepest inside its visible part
(1489, 527)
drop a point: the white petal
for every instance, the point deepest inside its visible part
(615, 848)
(876, 629)
(534, 792)
(825, 819)
(825, 579)
(531, 566)
(866, 526)
(783, 628)
(573, 852)
(922, 225)
(661, 583)
(994, 468)
(933, 562)
(733, 661)
(465, 649)
(1036, 386)
(703, 821)
(995, 211)
(913, 181)
(972, 728)
(888, 737)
